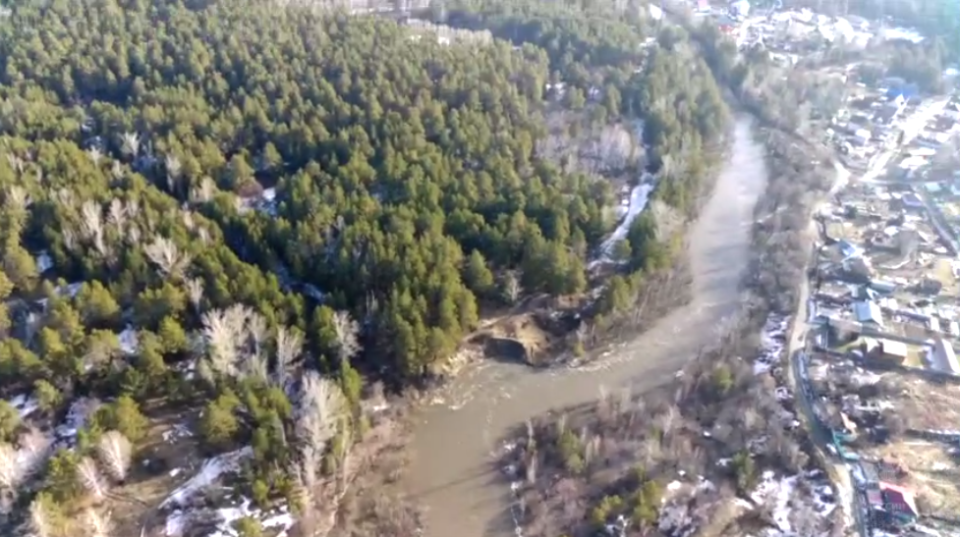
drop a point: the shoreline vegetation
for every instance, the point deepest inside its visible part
(233, 232)
(607, 465)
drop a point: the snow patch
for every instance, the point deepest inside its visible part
(178, 431)
(210, 471)
(777, 491)
(25, 405)
(129, 342)
(638, 202)
(44, 262)
(773, 341)
(77, 416)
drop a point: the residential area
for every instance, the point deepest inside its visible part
(880, 371)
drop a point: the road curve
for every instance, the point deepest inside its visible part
(452, 473)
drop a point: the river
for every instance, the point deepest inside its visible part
(452, 472)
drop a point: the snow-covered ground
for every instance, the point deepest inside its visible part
(782, 494)
(129, 342)
(773, 340)
(44, 262)
(912, 127)
(638, 202)
(841, 180)
(80, 410)
(70, 290)
(25, 405)
(179, 521)
(210, 471)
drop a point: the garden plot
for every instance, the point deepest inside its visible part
(932, 471)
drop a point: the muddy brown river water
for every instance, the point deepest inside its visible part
(453, 475)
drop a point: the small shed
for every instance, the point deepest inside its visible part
(868, 312)
(946, 357)
(883, 286)
(899, 502)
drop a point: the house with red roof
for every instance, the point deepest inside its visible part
(899, 502)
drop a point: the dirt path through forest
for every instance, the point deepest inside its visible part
(452, 473)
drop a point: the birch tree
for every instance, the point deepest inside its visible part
(511, 287)
(321, 409)
(97, 525)
(195, 293)
(222, 330)
(130, 144)
(115, 452)
(95, 155)
(17, 199)
(91, 224)
(117, 214)
(347, 331)
(174, 170)
(11, 476)
(167, 256)
(90, 479)
(235, 341)
(40, 521)
(667, 219)
(289, 344)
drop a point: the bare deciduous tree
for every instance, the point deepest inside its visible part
(133, 208)
(256, 364)
(98, 525)
(347, 331)
(289, 345)
(91, 225)
(15, 162)
(649, 452)
(115, 451)
(117, 170)
(168, 257)
(511, 287)
(174, 169)
(188, 220)
(133, 235)
(10, 472)
(668, 220)
(203, 234)
(65, 198)
(130, 144)
(17, 199)
(195, 292)
(95, 155)
(39, 521)
(117, 214)
(321, 409)
(206, 190)
(90, 479)
(35, 447)
(223, 331)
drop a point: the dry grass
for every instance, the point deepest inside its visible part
(134, 503)
(932, 472)
(925, 405)
(943, 273)
(914, 357)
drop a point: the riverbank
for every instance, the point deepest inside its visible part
(574, 470)
(457, 438)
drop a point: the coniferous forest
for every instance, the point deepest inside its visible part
(255, 209)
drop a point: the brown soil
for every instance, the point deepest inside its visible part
(166, 459)
(927, 405)
(931, 471)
